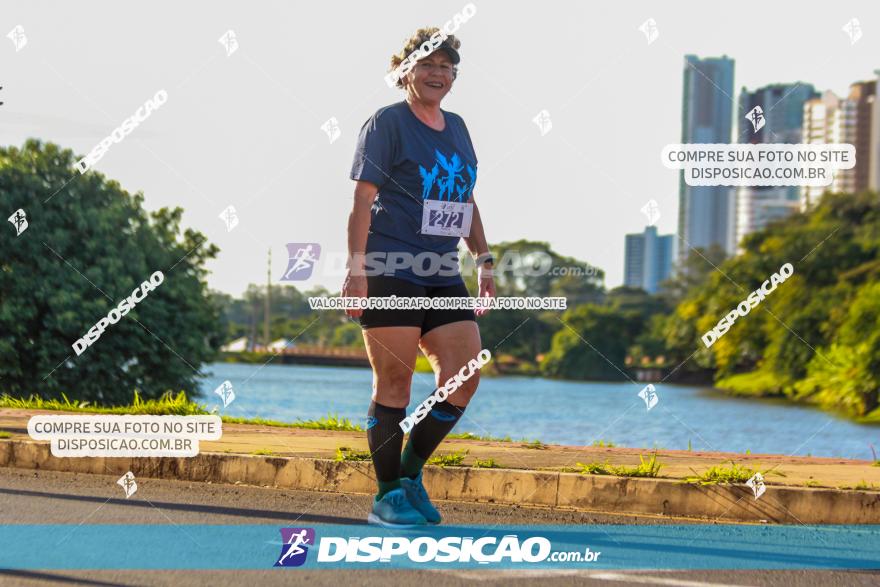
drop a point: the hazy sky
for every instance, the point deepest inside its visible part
(245, 129)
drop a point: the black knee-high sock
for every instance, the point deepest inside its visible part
(426, 436)
(385, 439)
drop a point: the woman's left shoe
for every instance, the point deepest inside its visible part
(418, 498)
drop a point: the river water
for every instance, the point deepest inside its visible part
(561, 412)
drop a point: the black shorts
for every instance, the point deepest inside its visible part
(384, 286)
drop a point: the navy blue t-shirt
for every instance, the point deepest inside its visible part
(412, 162)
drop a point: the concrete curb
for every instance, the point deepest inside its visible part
(618, 495)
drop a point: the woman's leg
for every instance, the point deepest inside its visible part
(392, 352)
(448, 348)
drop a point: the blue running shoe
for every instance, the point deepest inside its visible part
(418, 497)
(395, 511)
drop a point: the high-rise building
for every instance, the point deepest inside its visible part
(648, 259)
(858, 114)
(852, 120)
(874, 163)
(706, 214)
(783, 114)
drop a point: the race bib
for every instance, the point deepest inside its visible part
(447, 218)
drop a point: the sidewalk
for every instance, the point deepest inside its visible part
(250, 454)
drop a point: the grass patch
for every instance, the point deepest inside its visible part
(603, 443)
(344, 453)
(265, 452)
(811, 483)
(329, 422)
(645, 468)
(5, 434)
(724, 474)
(487, 464)
(167, 404)
(472, 436)
(534, 444)
(170, 405)
(453, 459)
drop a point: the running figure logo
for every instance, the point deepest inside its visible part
(229, 41)
(756, 117)
(294, 547)
(19, 221)
(128, 484)
(224, 390)
(652, 211)
(331, 127)
(853, 30)
(543, 121)
(756, 483)
(649, 395)
(303, 257)
(650, 30)
(18, 38)
(229, 217)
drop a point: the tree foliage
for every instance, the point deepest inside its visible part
(815, 337)
(88, 245)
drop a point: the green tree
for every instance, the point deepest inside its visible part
(531, 268)
(592, 343)
(89, 244)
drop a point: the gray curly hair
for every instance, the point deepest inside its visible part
(418, 38)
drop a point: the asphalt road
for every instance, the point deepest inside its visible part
(47, 497)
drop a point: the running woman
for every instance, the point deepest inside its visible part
(415, 169)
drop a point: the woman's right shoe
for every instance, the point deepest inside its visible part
(395, 511)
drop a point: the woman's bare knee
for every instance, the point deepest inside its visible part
(463, 394)
(391, 387)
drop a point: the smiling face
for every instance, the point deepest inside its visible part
(431, 78)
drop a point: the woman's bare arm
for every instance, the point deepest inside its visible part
(358, 227)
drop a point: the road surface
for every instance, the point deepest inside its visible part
(48, 497)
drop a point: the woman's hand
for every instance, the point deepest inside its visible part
(355, 286)
(487, 287)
